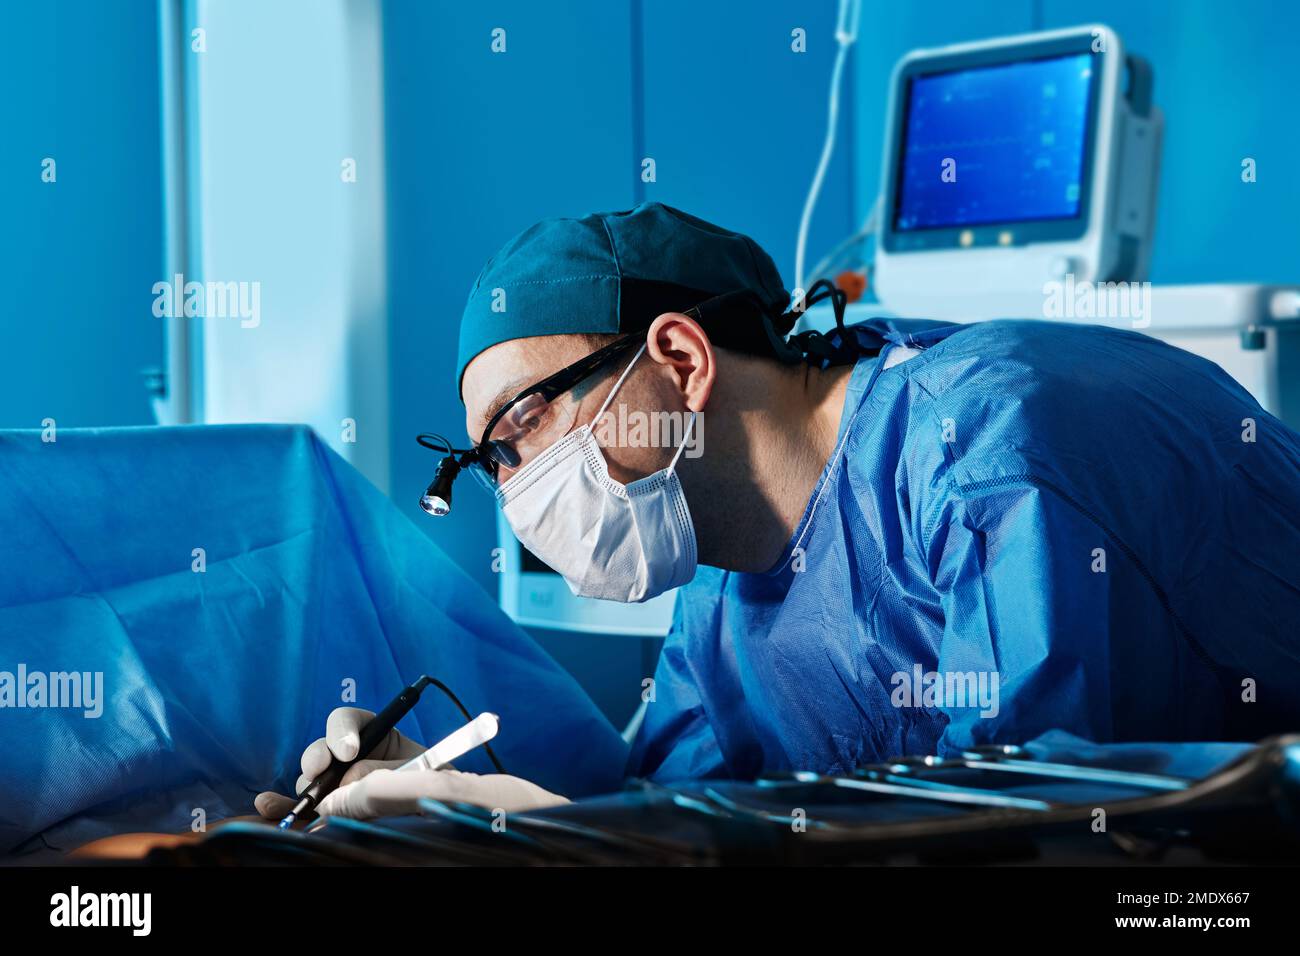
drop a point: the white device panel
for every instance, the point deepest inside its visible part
(993, 252)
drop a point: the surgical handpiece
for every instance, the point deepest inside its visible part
(372, 735)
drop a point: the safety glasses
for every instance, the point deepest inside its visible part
(541, 414)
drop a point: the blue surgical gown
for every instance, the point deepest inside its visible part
(1107, 523)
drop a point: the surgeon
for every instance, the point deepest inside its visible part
(900, 537)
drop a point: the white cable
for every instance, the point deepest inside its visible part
(846, 33)
(832, 259)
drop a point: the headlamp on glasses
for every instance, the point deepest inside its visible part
(436, 499)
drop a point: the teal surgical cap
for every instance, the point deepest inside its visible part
(609, 272)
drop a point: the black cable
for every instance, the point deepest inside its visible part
(425, 680)
(812, 346)
(441, 445)
(435, 442)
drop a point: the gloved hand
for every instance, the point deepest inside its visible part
(342, 740)
(389, 793)
(395, 794)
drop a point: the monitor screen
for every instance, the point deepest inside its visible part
(995, 144)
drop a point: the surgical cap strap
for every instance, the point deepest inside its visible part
(840, 347)
(746, 322)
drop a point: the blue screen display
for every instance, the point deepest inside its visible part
(995, 144)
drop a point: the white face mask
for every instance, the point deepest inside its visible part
(610, 541)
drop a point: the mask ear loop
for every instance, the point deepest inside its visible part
(619, 384)
(686, 440)
(690, 426)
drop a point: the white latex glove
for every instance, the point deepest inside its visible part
(342, 740)
(389, 793)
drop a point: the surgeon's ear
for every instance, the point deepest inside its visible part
(677, 342)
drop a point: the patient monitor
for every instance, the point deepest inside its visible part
(1014, 162)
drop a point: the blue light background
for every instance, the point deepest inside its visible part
(479, 147)
(1012, 137)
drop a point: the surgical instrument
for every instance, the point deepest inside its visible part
(374, 732)
(456, 744)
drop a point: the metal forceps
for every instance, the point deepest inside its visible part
(714, 803)
(894, 781)
(1015, 759)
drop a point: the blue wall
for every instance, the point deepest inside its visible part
(735, 119)
(78, 257)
